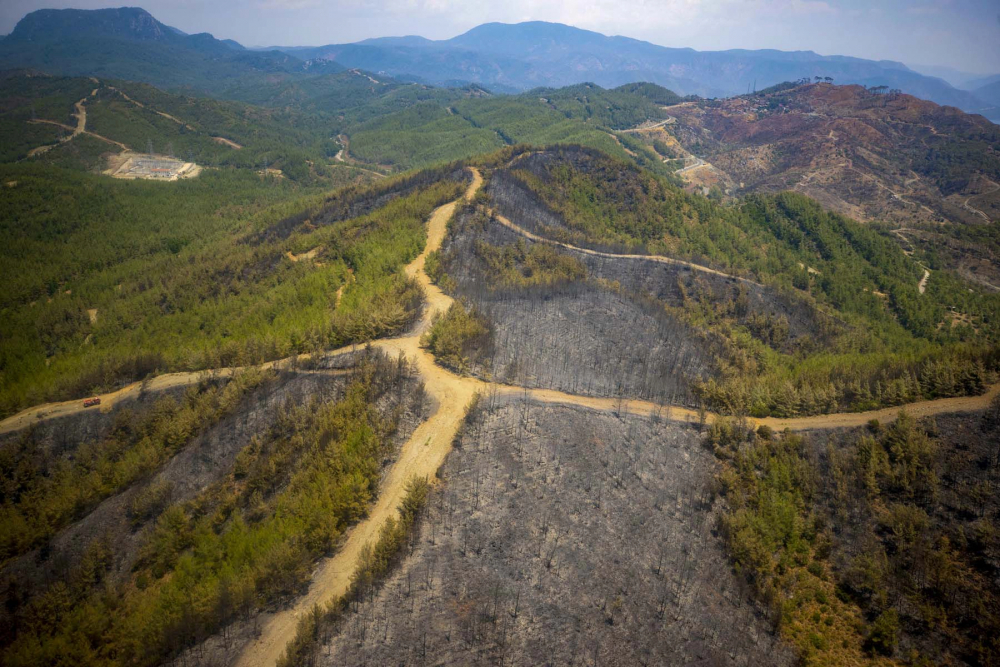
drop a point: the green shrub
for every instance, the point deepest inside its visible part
(455, 335)
(883, 633)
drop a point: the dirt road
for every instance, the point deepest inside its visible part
(81, 114)
(651, 258)
(156, 111)
(967, 204)
(76, 132)
(438, 302)
(46, 411)
(344, 156)
(81, 128)
(426, 449)
(698, 163)
(669, 120)
(919, 409)
(227, 142)
(420, 456)
(922, 285)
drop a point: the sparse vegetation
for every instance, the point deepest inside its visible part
(877, 534)
(237, 546)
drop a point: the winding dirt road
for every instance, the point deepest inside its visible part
(156, 111)
(81, 128)
(597, 253)
(967, 204)
(420, 456)
(669, 120)
(47, 411)
(425, 451)
(698, 163)
(343, 156)
(922, 285)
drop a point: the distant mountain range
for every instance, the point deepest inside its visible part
(957, 78)
(988, 89)
(129, 43)
(521, 56)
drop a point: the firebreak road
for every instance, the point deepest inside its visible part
(426, 449)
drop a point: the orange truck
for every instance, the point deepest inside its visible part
(91, 402)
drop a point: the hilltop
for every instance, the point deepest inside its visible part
(555, 334)
(929, 171)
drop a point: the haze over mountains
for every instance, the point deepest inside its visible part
(524, 55)
(131, 43)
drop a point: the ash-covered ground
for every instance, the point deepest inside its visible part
(564, 536)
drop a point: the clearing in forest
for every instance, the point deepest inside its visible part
(150, 167)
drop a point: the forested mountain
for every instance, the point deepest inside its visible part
(525, 55)
(42, 117)
(128, 43)
(307, 128)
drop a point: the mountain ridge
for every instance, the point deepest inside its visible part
(524, 55)
(130, 43)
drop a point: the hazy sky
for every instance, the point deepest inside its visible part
(963, 34)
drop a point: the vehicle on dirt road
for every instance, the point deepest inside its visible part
(90, 402)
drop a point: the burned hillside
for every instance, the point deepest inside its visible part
(219, 453)
(563, 536)
(579, 335)
(672, 284)
(875, 155)
(599, 319)
(914, 538)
